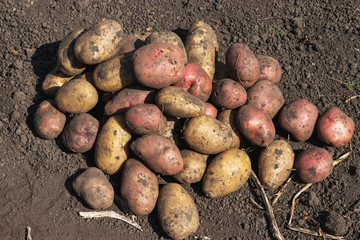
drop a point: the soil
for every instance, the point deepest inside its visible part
(317, 43)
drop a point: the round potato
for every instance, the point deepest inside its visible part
(226, 173)
(228, 116)
(177, 211)
(228, 94)
(54, 81)
(269, 69)
(275, 164)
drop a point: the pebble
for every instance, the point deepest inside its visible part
(23, 139)
(15, 115)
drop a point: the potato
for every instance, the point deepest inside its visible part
(76, 96)
(167, 37)
(159, 153)
(228, 116)
(158, 65)
(266, 96)
(177, 102)
(335, 128)
(112, 145)
(54, 81)
(207, 135)
(93, 187)
(228, 94)
(177, 212)
(99, 43)
(269, 69)
(275, 164)
(226, 173)
(48, 122)
(139, 187)
(201, 45)
(115, 73)
(313, 165)
(194, 167)
(145, 119)
(66, 60)
(196, 82)
(255, 125)
(210, 110)
(80, 133)
(127, 97)
(299, 119)
(129, 43)
(242, 64)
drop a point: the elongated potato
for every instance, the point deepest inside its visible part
(226, 173)
(54, 81)
(115, 73)
(179, 103)
(207, 135)
(112, 145)
(99, 43)
(201, 46)
(275, 164)
(177, 211)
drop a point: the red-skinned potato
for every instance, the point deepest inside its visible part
(335, 128)
(145, 119)
(139, 187)
(242, 64)
(269, 68)
(228, 93)
(299, 119)
(159, 153)
(255, 125)
(80, 133)
(158, 65)
(196, 82)
(313, 165)
(210, 110)
(49, 122)
(266, 96)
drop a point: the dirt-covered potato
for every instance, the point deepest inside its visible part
(93, 187)
(129, 43)
(226, 173)
(145, 119)
(115, 73)
(313, 165)
(177, 212)
(77, 96)
(167, 37)
(158, 65)
(139, 187)
(194, 167)
(255, 125)
(159, 153)
(266, 96)
(127, 97)
(269, 68)
(201, 45)
(80, 133)
(54, 81)
(99, 43)
(242, 64)
(228, 116)
(335, 128)
(66, 60)
(228, 93)
(207, 135)
(177, 102)
(112, 145)
(275, 164)
(49, 122)
(210, 110)
(299, 119)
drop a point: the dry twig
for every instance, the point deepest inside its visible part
(342, 83)
(28, 233)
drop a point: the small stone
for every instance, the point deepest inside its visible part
(310, 199)
(15, 115)
(18, 64)
(334, 223)
(23, 139)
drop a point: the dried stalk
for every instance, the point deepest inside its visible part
(28, 233)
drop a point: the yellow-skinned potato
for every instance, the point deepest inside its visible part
(115, 73)
(99, 43)
(201, 46)
(228, 116)
(207, 135)
(194, 167)
(112, 145)
(226, 173)
(177, 211)
(76, 96)
(53, 81)
(275, 164)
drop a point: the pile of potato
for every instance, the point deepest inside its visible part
(167, 108)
